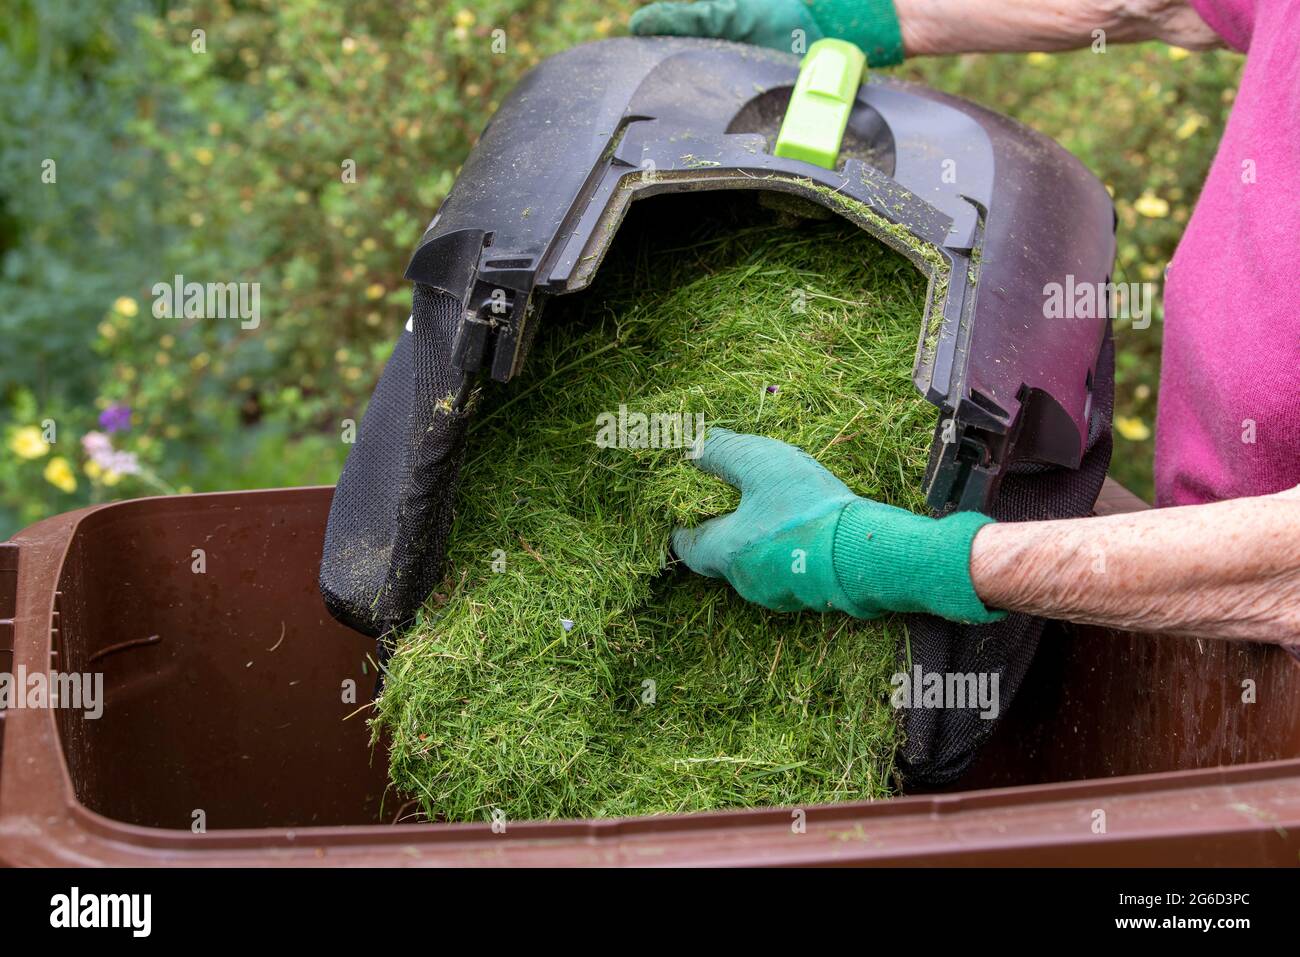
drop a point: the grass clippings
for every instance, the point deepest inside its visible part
(562, 670)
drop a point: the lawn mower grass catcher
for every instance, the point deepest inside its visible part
(989, 212)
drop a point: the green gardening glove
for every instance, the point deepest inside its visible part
(871, 24)
(801, 541)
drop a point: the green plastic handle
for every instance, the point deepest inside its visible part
(823, 97)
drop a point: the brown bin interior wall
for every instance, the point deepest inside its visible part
(225, 689)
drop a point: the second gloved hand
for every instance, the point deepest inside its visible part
(871, 24)
(764, 23)
(800, 540)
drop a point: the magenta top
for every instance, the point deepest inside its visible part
(1228, 424)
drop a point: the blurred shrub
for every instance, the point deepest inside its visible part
(307, 145)
(77, 226)
(300, 146)
(77, 203)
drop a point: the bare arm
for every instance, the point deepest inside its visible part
(1226, 570)
(987, 26)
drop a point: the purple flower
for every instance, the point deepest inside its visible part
(771, 390)
(116, 418)
(566, 624)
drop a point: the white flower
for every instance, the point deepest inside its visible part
(99, 447)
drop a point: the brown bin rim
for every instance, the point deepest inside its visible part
(1243, 814)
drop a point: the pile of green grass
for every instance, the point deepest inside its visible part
(669, 692)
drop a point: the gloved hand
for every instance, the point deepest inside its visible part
(801, 541)
(871, 24)
(764, 23)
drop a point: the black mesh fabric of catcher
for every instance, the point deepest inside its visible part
(941, 743)
(993, 213)
(392, 511)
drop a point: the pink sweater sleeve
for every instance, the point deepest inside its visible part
(1228, 422)
(1233, 20)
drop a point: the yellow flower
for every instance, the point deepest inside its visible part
(1189, 126)
(1151, 206)
(112, 478)
(374, 290)
(1178, 53)
(1038, 59)
(1132, 428)
(125, 306)
(464, 19)
(92, 470)
(28, 443)
(204, 156)
(59, 474)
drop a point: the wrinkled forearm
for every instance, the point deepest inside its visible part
(1226, 570)
(981, 26)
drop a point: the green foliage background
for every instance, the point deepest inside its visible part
(226, 165)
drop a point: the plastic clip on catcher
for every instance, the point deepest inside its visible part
(819, 109)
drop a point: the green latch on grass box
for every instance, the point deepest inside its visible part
(821, 102)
